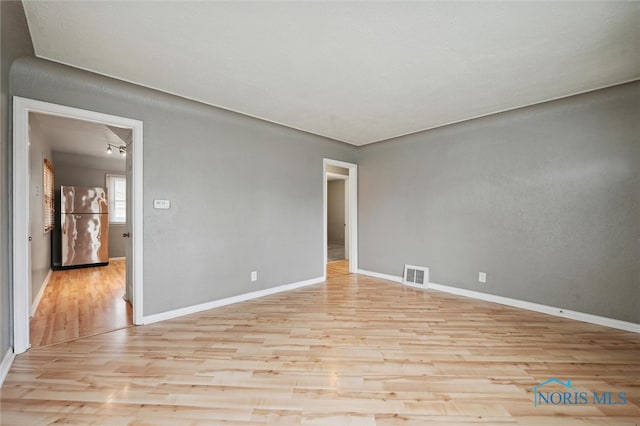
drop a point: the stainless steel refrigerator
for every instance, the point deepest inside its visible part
(85, 226)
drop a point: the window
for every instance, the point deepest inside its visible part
(49, 210)
(117, 187)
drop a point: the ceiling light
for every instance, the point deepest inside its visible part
(122, 149)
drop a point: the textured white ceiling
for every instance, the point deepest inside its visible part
(81, 137)
(353, 71)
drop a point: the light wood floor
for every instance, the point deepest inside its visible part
(337, 268)
(353, 350)
(81, 302)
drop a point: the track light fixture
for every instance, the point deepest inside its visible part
(121, 149)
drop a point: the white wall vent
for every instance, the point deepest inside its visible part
(417, 276)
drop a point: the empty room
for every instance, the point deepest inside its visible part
(320, 213)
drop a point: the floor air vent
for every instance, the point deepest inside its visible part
(416, 276)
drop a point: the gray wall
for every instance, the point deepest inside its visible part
(245, 194)
(81, 170)
(15, 42)
(545, 199)
(41, 242)
(335, 211)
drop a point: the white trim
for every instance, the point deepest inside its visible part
(545, 309)
(353, 212)
(5, 365)
(21, 272)
(228, 301)
(522, 304)
(325, 226)
(36, 301)
(21, 109)
(381, 276)
(137, 221)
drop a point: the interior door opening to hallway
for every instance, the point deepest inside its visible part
(337, 214)
(340, 216)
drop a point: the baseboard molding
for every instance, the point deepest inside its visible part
(36, 301)
(381, 276)
(5, 365)
(516, 303)
(150, 319)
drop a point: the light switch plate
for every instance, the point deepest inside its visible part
(161, 204)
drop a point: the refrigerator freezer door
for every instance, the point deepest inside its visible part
(85, 239)
(78, 199)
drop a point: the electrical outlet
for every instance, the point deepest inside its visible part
(254, 275)
(482, 277)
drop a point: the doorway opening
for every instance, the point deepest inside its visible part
(337, 214)
(340, 217)
(86, 277)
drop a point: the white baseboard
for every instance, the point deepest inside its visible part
(36, 301)
(550, 310)
(381, 276)
(5, 365)
(149, 319)
(389, 278)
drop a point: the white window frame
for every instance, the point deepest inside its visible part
(112, 218)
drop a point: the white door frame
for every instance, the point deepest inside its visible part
(21, 109)
(353, 212)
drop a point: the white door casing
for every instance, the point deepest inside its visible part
(21, 253)
(129, 296)
(346, 219)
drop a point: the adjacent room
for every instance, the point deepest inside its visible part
(370, 213)
(78, 250)
(338, 223)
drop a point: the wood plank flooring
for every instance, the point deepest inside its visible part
(81, 302)
(353, 350)
(337, 268)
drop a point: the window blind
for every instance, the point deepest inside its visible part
(48, 196)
